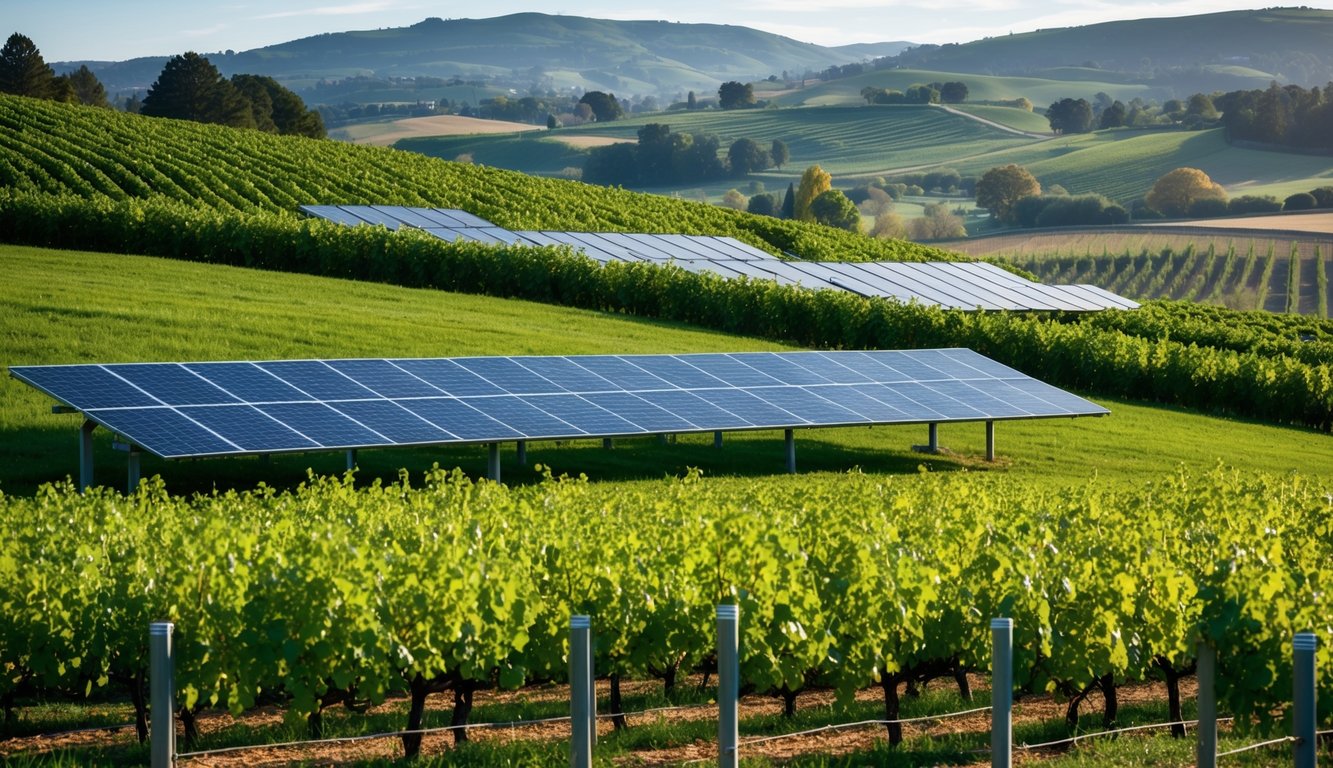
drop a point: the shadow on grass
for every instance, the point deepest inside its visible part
(38, 456)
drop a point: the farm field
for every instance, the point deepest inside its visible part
(385, 133)
(846, 142)
(1041, 91)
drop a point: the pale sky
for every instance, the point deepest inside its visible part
(69, 30)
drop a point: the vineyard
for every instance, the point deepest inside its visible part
(844, 583)
(1285, 273)
(56, 149)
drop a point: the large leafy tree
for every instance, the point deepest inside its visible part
(832, 208)
(605, 106)
(735, 95)
(745, 156)
(1000, 189)
(191, 88)
(814, 182)
(1175, 193)
(1070, 116)
(23, 71)
(277, 109)
(779, 153)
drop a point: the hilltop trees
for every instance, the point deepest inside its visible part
(278, 110)
(1070, 116)
(191, 88)
(1000, 189)
(24, 72)
(1175, 193)
(86, 88)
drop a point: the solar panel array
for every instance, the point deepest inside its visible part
(953, 285)
(176, 410)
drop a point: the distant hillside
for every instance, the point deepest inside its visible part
(627, 57)
(1187, 54)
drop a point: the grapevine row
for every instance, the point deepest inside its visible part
(332, 594)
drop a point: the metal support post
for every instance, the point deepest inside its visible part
(933, 438)
(86, 454)
(582, 723)
(493, 462)
(990, 441)
(608, 443)
(728, 685)
(790, 437)
(1206, 752)
(522, 447)
(662, 438)
(132, 482)
(162, 695)
(1303, 646)
(351, 459)
(717, 439)
(1002, 693)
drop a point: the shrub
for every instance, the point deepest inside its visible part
(1208, 208)
(1254, 204)
(1301, 201)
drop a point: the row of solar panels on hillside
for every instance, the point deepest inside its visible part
(954, 285)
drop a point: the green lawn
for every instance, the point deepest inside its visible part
(68, 307)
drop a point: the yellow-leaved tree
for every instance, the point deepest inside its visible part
(814, 182)
(1176, 192)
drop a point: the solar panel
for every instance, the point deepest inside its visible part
(177, 410)
(953, 285)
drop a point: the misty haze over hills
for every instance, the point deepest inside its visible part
(537, 51)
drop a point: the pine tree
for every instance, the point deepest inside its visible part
(86, 87)
(191, 88)
(24, 72)
(789, 202)
(278, 109)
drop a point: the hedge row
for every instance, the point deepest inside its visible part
(1106, 362)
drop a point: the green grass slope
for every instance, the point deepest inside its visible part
(1124, 164)
(49, 148)
(853, 142)
(127, 308)
(980, 87)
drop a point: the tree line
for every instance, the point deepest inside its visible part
(189, 88)
(929, 93)
(661, 157)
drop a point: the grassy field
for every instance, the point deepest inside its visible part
(1018, 119)
(125, 308)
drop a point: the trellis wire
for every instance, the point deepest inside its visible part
(859, 724)
(1269, 743)
(1082, 736)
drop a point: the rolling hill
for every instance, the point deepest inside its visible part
(1217, 51)
(627, 57)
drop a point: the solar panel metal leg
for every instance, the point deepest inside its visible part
(522, 453)
(933, 440)
(86, 454)
(493, 464)
(133, 479)
(717, 439)
(990, 441)
(351, 459)
(608, 443)
(791, 451)
(662, 438)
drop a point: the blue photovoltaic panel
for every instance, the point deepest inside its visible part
(218, 408)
